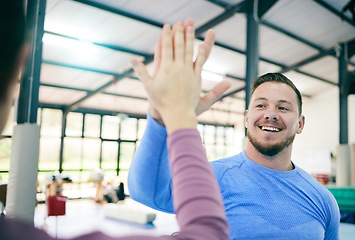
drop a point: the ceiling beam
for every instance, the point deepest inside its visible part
(284, 31)
(79, 67)
(108, 46)
(264, 6)
(228, 13)
(76, 104)
(121, 12)
(237, 7)
(291, 35)
(335, 12)
(324, 53)
(150, 58)
(273, 62)
(89, 91)
(232, 93)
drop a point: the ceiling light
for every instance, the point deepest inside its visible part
(206, 75)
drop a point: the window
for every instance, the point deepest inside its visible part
(10, 124)
(110, 127)
(51, 123)
(51, 131)
(74, 124)
(109, 155)
(126, 154)
(129, 129)
(49, 153)
(142, 124)
(5, 154)
(72, 153)
(91, 154)
(94, 141)
(92, 125)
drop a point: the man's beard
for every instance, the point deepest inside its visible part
(270, 150)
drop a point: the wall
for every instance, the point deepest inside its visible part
(320, 137)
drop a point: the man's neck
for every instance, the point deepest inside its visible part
(280, 161)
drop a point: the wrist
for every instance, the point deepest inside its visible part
(156, 116)
(179, 120)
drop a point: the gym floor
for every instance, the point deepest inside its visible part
(84, 215)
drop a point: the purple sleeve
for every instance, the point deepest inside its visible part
(197, 201)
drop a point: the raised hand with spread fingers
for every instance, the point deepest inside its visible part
(174, 90)
(206, 100)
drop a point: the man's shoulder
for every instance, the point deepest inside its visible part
(316, 186)
(222, 165)
(231, 161)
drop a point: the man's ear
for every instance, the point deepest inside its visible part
(246, 118)
(301, 122)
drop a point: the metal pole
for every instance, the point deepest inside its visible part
(28, 99)
(343, 97)
(252, 52)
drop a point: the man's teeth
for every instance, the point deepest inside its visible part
(272, 129)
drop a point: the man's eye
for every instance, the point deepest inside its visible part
(283, 108)
(259, 105)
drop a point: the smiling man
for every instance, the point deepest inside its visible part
(273, 119)
(265, 195)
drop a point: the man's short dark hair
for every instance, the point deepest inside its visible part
(277, 77)
(12, 25)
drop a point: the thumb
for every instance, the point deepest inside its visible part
(140, 70)
(212, 96)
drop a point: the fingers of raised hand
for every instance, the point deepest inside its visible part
(212, 96)
(179, 42)
(189, 48)
(157, 55)
(209, 41)
(167, 45)
(207, 45)
(200, 60)
(141, 71)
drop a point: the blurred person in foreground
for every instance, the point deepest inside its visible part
(197, 200)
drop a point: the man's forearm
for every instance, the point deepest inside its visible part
(149, 175)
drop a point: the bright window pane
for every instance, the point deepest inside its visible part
(5, 154)
(72, 153)
(49, 153)
(92, 125)
(209, 132)
(220, 135)
(51, 123)
(91, 153)
(200, 128)
(109, 176)
(220, 151)
(4, 177)
(142, 124)
(129, 129)
(10, 124)
(126, 154)
(110, 127)
(109, 155)
(74, 124)
(210, 151)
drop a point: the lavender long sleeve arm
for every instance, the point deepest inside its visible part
(197, 200)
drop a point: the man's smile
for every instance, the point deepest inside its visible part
(270, 128)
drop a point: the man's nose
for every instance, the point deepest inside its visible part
(271, 115)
